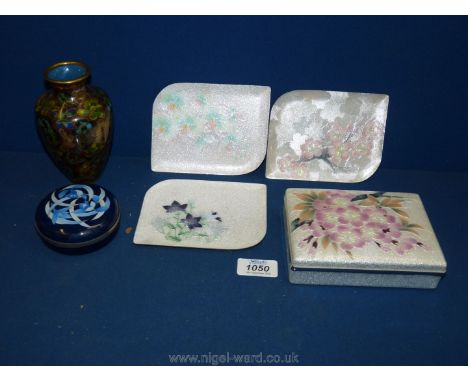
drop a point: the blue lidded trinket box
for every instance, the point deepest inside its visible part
(77, 216)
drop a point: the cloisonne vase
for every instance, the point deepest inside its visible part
(74, 120)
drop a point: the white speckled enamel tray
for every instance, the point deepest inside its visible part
(361, 238)
(203, 214)
(210, 128)
(326, 136)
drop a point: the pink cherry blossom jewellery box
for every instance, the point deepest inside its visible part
(360, 238)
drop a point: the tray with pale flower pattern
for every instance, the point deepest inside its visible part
(326, 136)
(210, 128)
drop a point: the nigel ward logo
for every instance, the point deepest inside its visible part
(232, 359)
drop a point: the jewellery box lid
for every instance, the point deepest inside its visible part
(210, 128)
(77, 215)
(203, 214)
(326, 136)
(360, 230)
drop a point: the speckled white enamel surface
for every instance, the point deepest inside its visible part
(203, 214)
(360, 230)
(210, 128)
(375, 279)
(326, 136)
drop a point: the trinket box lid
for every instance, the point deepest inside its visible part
(326, 136)
(360, 230)
(210, 128)
(203, 214)
(77, 216)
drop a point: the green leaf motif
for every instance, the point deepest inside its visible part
(295, 224)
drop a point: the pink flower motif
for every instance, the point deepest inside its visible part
(284, 163)
(338, 132)
(349, 225)
(327, 218)
(380, 216)
(370, 231)
(341, 201)
(402, 245)
(310, 243)
(347, 237)
(339, 193)
(350, 143)
(405, 245)
(352, 215)
(292, 166)
(314, 228)
(311, 148)
(391, 232)
(340, 153)
(339, 198)
(362, 150)
(386, 247)
(303, 244)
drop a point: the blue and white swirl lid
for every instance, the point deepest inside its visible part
(77, 215)
(77, 204)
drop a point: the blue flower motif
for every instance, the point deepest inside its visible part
(217, 217)
(175, 206)
(192, 221)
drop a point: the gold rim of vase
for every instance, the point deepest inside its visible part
(66, 83)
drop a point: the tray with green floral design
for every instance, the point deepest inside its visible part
(203, 214)
(210, 128)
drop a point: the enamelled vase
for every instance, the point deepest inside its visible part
(74, 121)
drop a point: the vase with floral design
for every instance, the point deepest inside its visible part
(74, 121)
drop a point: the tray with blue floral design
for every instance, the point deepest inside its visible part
(203, 214)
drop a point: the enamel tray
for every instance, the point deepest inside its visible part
(203, 214)
(326, 136)
(361, 238)
(210, 128)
